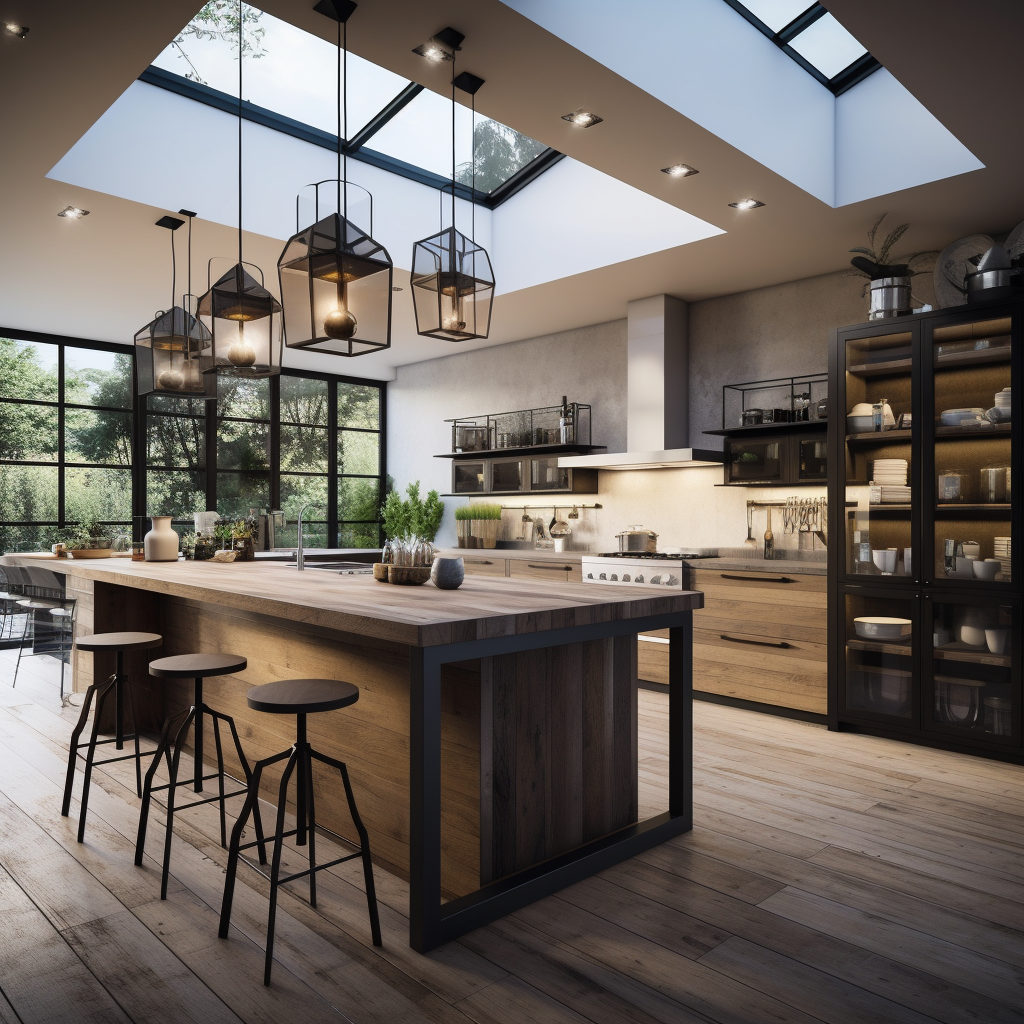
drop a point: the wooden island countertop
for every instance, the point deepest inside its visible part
(493, 748)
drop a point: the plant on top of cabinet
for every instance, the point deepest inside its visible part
(889, 282)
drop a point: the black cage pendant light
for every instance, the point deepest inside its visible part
(173, 351)
(452, 280)
(335, 279)
(244, 319)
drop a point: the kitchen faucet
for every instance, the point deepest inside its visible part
(300, 554)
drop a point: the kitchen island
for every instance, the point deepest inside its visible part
(494, 746)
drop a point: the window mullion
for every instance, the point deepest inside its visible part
(333, 482)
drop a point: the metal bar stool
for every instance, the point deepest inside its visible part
(118, 683)
(299, 697)
(197, 667)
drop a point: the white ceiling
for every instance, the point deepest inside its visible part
(95, 278)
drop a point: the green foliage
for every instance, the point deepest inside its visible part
(500, 152)
(416, 517)
(218, 20)
(479, 511)
(884, 253)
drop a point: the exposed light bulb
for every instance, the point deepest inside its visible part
(241, 352)
(340, 324)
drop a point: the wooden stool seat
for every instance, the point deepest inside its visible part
(302, 696)
(119, 641)
(298, 697)
(197, 666)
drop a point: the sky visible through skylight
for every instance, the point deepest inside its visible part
(293, 73)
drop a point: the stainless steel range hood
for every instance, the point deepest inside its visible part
(657, 389)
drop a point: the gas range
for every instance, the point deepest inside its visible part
(640, 568)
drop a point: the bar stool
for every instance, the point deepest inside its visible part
(197, 667)
(118, 683)
(299, 697)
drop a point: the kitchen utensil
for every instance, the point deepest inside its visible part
(750, 525)
(636, 538)
(995, 639)
(985, 570)
(993, 483)
(882, 627)
(769, 537)
(885, 560)
(751, 417)
(998, 716)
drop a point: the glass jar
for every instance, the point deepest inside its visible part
(995, 484)
(823, 408)
(952, 485)
(998, 713)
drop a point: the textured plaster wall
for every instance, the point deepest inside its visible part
(770, 332)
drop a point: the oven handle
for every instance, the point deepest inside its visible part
(554, 568)
(757, 579)
(757, 643)
(477, 561)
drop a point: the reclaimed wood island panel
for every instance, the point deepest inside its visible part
(493, 749)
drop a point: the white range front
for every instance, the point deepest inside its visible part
(633, 572)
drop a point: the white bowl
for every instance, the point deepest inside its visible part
(986, 570)
(973, 636)
(861, 409)
(882, 627)
(885, 559)
(996, 639)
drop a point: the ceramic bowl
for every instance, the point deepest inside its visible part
(986, 570)
(884, 559)
(408, 575)
(995, 639)
(448, 573)
(973, 636)
(882, 627)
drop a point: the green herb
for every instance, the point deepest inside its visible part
(416, 517)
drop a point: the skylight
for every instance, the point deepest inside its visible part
(402, 126)
(813, 38)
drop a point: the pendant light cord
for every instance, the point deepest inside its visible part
(189, 284)
(453, 141)
(241, 18)
(174, 283)
(342, 119)
(472, 158)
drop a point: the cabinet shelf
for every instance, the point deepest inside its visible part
(903, 649)
(944, 361)
(957, 651)
(770, 428)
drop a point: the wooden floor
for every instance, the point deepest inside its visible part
(829, 878)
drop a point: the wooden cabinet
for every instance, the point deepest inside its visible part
(494, 563)
(519, 568)
(761, 637)
(484, 565)
(776, 455)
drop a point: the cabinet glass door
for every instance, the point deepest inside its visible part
(971, 372)
(545, 475)
(507, 475)
(878, 470)
(879, 642)
(974, 677)
(812, 460)
(469, 477)
(759, 462)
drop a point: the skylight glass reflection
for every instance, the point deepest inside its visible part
(828, 46)
(287, 70)
(776, 14)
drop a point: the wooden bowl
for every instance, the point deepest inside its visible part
(380, 571)
(408, 575)
(89, 552)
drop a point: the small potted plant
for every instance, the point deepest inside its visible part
(90, 540)
(890, 283)
(464, 527)
(486, 523)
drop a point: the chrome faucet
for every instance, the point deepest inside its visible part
(300, 554)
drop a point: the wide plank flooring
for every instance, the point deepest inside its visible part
(829, 877)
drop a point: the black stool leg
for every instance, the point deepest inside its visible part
(251, 801)
(300, 790)
(275, 867)
(76, 735)
(91, 756)
(119, 702)
(162, 750)
(179, 742)
(256, 816)
(220, 779)
(308, 781)
(364, 844)
(135, 726)
(197, 766)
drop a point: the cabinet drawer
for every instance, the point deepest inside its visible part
(480, 565)
(524, 568)
(576, 574)
(755, 668)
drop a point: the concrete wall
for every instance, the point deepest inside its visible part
(771, 332)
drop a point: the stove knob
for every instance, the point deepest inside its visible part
(590, 575)
(603, 576)
(638, 579)
(656, 579)
(615, 576)
(625, 577)
(671, 581)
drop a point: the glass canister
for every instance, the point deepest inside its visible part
(952, 485)
(995, 484)
(997, 716)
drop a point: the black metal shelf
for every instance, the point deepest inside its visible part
(539, 450)
(771, 428)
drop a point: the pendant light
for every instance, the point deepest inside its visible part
(244, 319)
(335, 279)
(452, 280)
(173, 351)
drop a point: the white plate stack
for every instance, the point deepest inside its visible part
(1003, 553)
(889, 482)
(1004, 403)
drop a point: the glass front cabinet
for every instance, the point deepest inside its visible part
(925, 597)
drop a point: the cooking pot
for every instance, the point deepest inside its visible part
(636, 538)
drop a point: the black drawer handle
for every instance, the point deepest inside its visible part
(756, 643)
(758, 579)
(554, 568)
(477, 561)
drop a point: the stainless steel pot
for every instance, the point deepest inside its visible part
(636, 538)
(991, 284)
(890, 296)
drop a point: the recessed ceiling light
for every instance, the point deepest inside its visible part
(582, 118)
(747, 204)
(442, 47)
(680, 170)
(16, 30)
(73, 213)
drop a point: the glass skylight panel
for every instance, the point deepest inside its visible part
(828, 46)
(286, 70)
(776, 14)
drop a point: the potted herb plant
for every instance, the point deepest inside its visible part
(410, 526)
(486, 523)
(90, 540)
(890, 283)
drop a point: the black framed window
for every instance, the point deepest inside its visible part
(66, 443)
(72, 452)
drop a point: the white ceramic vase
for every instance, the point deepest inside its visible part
(161, 543)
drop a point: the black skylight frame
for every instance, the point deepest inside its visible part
(355, 147)
(838, 84)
